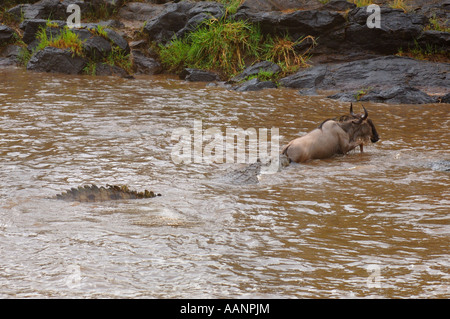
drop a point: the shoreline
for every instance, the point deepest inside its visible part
(346, 59)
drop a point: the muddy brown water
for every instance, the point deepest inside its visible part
(363, 225)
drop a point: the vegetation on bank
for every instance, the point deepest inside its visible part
(427, 52)
(228, 46)
(222, 45)
(68, 39)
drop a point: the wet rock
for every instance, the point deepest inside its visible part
(56, 60)
(180, 18)
(431, 9)
(306, 78)
(139, 11)
(338, 5)
(10, 55)
(172, 19)
(118, 40)
(308, 92)
(394, 95)
(145, 65)
(279, 5)
(382, 72)
(31, 26)
(398, 30)
(6, 34)
(255, 85)
(445, 98)
(196, 75)
(439, 39)
(103, 69)
(97, 47)
(264, 66)
(46, 9)
(297, 23)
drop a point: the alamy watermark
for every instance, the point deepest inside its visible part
(374, 278)
(374, 20)
(74, 20)
(236, 146)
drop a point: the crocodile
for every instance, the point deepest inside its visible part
(93, 193)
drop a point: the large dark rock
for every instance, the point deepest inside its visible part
(438, 39)
(255, 85)
(264, 66)
(172, 19)
(394, 95)
(180, 18)
(338, 5)
(145, 65)
(56, 60)
(103, 69)
(382, 72)
(445, 98)
(196, 75)
(10, 55)
(31, 26)
(139, 11)
(398, 30)
(279, 5)
(297, 23)
(6, 34)
(46, 9)
(97, 47)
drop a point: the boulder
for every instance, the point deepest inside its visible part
(382, 72)
(279, 5)
(145, 65)
(398, 30)
(180, 18)
(394, 95)
(97, 47)
(56, 60)
(438, 39)
(264, 66)
(297, 23)
(31, 26)
(10, 55)
(46, 9)
(445, 98)
(103, 69)
(338, 5)
(139, 11)
(172, 19)
(255, 85)
(195, 75)
(6, 34)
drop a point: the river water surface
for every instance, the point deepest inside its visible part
(363, 225)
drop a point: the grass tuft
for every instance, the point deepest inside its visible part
(228, 46)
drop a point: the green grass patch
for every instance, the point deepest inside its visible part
(437, 25)
(228, 46)
(67, 39)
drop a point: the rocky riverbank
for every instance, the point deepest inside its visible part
(406, 60)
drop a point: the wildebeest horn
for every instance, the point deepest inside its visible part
(365, 113)
(351, 110)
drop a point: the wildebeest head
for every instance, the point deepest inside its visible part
(359, 126)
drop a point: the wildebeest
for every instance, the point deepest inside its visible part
(337, 136)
